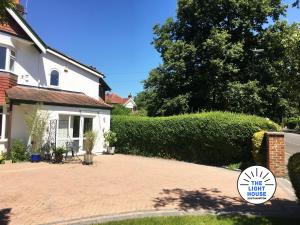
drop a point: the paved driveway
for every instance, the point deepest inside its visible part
(292, 144)
(60, 194)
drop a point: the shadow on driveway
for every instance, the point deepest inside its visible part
(5, 216)
(213, 200)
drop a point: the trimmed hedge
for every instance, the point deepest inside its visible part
(294, 173)
(292, 122)
(259, 148)
(215, 138)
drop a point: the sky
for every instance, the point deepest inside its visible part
(112, 35)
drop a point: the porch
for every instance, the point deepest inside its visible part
(70, 115)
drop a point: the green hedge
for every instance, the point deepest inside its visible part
(216, 138)
(294, 173)
(292, 122)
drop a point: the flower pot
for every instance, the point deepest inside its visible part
(47, 157)
(111, 150)
(35, 157)
(58, 158)
(88, 159)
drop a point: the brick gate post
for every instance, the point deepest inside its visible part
(276, 153)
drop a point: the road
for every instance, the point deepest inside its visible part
(292, 144)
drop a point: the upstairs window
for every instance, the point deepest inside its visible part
(7, 59)
(3, 58)
(12, 60)
(54, 78)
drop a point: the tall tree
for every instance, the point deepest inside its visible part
(210, 59)
(3, 5)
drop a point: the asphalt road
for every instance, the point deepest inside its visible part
(292, 144)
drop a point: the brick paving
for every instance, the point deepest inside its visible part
(60, 194)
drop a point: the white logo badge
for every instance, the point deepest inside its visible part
(256, 184)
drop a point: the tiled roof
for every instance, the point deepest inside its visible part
(53, 97)
(115, 99)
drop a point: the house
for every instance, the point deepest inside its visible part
(32, 73)
(114, 99)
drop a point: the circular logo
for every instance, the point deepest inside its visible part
(256, 184)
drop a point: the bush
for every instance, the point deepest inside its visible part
(294, 173)
(259, 148)
(292, 122)
(2, 158)
(18, 152)
(120, 110)
(217, 138)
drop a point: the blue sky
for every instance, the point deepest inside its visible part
(113, 35)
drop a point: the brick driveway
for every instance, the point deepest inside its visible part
(58, 194)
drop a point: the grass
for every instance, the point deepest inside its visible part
(207, 220)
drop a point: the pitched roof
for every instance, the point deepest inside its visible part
(115, 99)
(44, 48)
(47, 96)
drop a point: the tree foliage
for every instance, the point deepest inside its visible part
(210, 60)
(3, 5)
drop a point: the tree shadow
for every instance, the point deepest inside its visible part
(213, 200)
(5, 216)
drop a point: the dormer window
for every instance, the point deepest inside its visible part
(54, 78)
(7, 59)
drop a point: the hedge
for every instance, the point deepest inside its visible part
(215, 138)
(292, 122)
(294, 173)
(259, 148)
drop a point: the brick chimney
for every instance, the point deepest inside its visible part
(19, 7)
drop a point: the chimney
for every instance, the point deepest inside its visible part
(19, 7)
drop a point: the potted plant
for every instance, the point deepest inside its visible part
(36, 121)
(90, 140)
(110, 139)
(59, 154)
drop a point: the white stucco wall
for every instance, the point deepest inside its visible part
(101, 121)
(33, 68)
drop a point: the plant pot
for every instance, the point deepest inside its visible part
(111, 150)
(58, 158)
(47, 157)
(35, 157)
(88, 159)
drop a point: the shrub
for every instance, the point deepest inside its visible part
(18, 152)
(2, 157)
(120, 110)
(90, 140)
(259, 148)
(218, 138)
(110, 138)
(292, 122)
(294, 173)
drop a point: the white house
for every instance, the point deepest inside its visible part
(114, 99)
(31, 73)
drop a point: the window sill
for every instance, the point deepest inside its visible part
(3, 140)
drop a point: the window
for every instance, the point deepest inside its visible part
(54, 78)
(3, 123)
(12, 60)
(76, 126)
(7, 59)
(2, 58)
(88, 124)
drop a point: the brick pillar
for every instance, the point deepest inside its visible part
(276, 153)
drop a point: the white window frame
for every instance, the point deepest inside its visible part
(3, 127)
(7, 59)
(81, 137)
